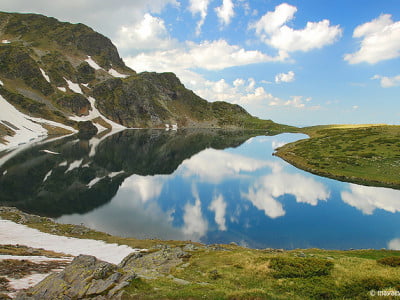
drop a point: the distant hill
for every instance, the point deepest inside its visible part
(56, 74)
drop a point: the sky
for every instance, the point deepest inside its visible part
(299, 62)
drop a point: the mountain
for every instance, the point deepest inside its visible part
(55, 75)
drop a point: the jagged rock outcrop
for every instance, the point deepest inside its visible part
(89, 278)
(156, 264)
(85, 278)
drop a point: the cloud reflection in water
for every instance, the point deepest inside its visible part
(367, 198)
(265, 191)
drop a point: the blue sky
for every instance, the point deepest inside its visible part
(296, 62)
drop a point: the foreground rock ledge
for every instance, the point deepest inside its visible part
(89, 278)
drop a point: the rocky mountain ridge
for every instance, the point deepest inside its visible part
(56, 74)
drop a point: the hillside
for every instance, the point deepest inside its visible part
(362, 154)
(54, 75)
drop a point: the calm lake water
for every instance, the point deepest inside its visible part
(207, 186)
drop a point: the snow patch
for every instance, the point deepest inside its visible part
(113, 174)
(5, 42)
(52, 123)
(26, 282)
(35, 259)
(62, 89)
(94, 113)
(115, 73)
(1, 83)
(63, 164)
(74, 165)
(93, 182)
(99, 127)
(23, 126)
(49, 152)
(92, 63)
(73, 86)
(47, 175)
(13, 233)
(45, 75)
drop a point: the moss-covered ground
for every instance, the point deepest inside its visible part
(366, 154)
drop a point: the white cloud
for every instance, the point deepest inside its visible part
(225, 12)
(394, 244)
(199, 7)
(195, 226)
(284, 77)
(209, 55)
(264, 193)
(387, 82)
(272, 30)
(148, 34)
(367, 199)
(218, 206)
(380, 41)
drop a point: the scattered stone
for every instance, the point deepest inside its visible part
(216, 248)
(190, 247)
(181, 281)
(301, 254)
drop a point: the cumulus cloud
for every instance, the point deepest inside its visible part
(284, 77)
(272, 30)
(209, 55)
(148, 34)
(367, 199)
(225, 12)
(199, 7)
(380, 41)
(387, 82)
(218, 206)
(394, 244)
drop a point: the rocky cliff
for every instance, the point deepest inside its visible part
(56, 74)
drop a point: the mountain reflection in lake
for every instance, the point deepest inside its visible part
(207, 186)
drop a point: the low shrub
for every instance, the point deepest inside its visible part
(392, 261)
(286, 267)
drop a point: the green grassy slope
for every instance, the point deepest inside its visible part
(366, 154)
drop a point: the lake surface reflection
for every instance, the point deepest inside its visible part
(207, 186)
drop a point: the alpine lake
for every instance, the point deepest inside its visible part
(209, 186)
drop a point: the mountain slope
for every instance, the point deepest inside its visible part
(61, 74)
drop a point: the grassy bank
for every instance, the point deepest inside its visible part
(234, 272)
(365, 154)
